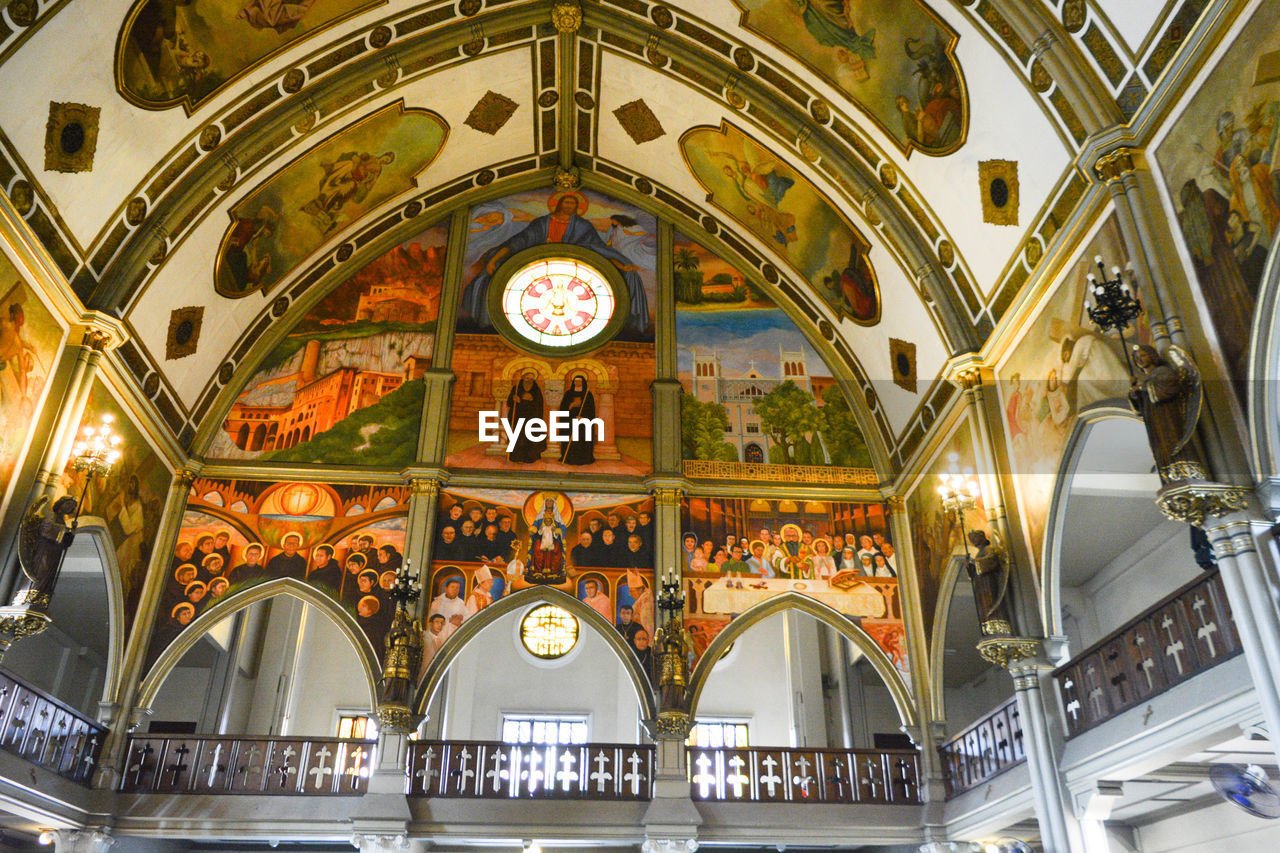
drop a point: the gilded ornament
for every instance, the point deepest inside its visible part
(1116, 164)
(567, 179)
(1003, 651)
(1193, 503)
(566, 16)
(675, 723)
(662, 16)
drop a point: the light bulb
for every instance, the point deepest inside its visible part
(88, 431)
(1091, 278)
(1115, 271)
(46, 837)
(108, 418)
(1097, 259)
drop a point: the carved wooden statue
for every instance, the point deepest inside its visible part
(42, 544)
(403, 646)
(675, 649)
(1166, 392)
(990, 577)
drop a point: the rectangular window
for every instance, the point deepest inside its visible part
(357, 727)
(717, 734)
(753, 429)
(544, 729)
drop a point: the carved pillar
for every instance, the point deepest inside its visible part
(375, 839)
(121, 715)
(974, 377)
(668, 502)
(433, 437)
(1250, 594)
(420, 530)
(1033, 687)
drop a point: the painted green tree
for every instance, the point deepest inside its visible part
(688, 276)
(789, 416)
(702, 429)
(844, 441)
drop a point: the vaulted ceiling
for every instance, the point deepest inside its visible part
(899, 114)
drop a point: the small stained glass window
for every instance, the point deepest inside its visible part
(549, 632)
(558, 302)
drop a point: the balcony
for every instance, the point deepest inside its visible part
(778, 775)
(1189, 631)
(495, 770)
(194, 764)
(984, 750)
(46, 731)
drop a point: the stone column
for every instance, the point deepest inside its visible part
(1059, 831)
(671, 817)
(121, 715)
(975, 377)
(57, 425)
(1250, 594)
(96, 840)
(420, 532)
(668, 502)
(433, 437)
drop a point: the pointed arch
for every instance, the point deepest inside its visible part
(190, 635)
(516, 601)
(1264, 360)
(1056, 516)
(99, 531)
(951, 574)
(837, 621)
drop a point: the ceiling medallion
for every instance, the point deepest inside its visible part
(558, 302)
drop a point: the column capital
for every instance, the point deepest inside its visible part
(81, 840)
(668, 496)
(1194, 501)
(1119, 162)
(99, 332)
(424, 487)
(669, 845)
(968, 371)
(1013, 653)
(567, 17)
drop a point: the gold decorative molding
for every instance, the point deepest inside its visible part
(17, 622)
(997, 628)
(675, 723)
(397, 718)
(1003, 651)
(1115, 164)
(769, 473)
(567, 16)
(666, 496)
(567, 179)
(1193, 502)
(428, 487)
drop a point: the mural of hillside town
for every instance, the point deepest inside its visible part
(345, 385)
(755, 390)
(738, 553)
(491, 542)
(345, 541)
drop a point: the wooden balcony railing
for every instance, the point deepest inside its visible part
(46, 731)
(778, 775)
(492, 770)
(1184, 634)
(211, 764)
(984, 750)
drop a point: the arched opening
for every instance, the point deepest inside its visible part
(754, 453)
(1111, 552)
(971, 686)
(280, 666)
(259, 434)
(72, 658)
(813, 688)
(491, 682)
(242, 436)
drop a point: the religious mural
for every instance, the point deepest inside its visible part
(345, 541)
(936, 535)
(29, 341)
(129, 500)
(1218, 163)
(785, 210)
(184, 51)
(755, 390)
(738, 552)
(894, 59)
(302, 206)
(610, 383)
(345, 385)
(597, 547)
(1060, 365)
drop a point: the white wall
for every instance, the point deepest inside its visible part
(1155, 565)
(328, 676)
(183, 695)
(494, 675)
(752, 683)
(1220, 828)
(967, 703)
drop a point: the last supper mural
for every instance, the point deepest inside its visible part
(739, 552)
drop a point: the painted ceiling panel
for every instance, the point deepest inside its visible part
(186, 279)
(1134, 19)
(903, 315)
(131, 140)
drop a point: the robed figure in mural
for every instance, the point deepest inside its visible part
(525, 400)
(1166, 392)
(579, 402)
(564, 224)
(547, 549)
(990, 578)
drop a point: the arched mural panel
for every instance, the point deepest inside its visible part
(611, 382)
(837, 553)
(756, 392)
(491, 543)
(238, 534)
(345, 384)
(1060, 365)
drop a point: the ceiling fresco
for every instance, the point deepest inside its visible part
(785, 130)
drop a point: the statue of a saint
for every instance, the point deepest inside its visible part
(1166, 392)
(403, 647)
(675, 650)
(42, 543)
(990, 578)
(546, 548)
